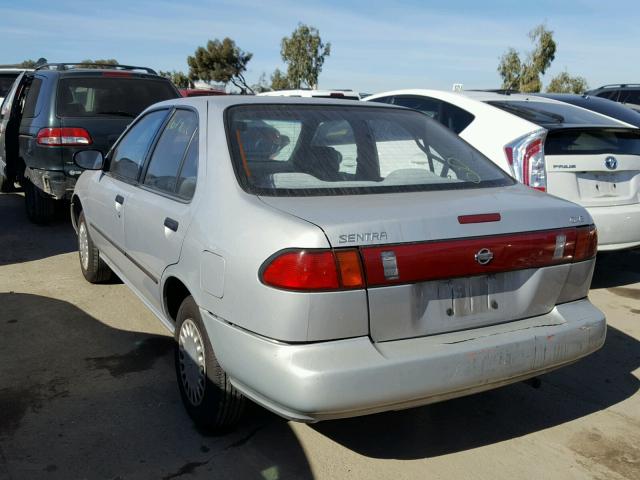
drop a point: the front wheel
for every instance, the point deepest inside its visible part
(210, 399)
(94, 269)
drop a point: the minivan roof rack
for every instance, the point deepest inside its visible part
(620, 85)
(112, 66)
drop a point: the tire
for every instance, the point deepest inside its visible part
(208, 396)
(41, 208)
(6, 184)
(94, 269)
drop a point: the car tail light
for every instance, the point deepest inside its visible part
(309, 270)
(526, 159)
(68, 136)
(586, 243)
(117, 74)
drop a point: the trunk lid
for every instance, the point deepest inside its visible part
(596, 167)
(416, 225)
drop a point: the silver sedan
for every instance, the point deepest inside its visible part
(328, 259)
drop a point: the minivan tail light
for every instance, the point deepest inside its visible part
(525, 156)
(67, 136)
(314, 270)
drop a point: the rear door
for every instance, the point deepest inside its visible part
(9, 126)
(159, 212)
(596, 167)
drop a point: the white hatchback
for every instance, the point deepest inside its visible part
(565, 150)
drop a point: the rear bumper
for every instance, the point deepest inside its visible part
(53, 182)
(344, 378)
(618, 227)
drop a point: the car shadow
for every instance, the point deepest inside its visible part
(616, 269)
(80, 399)
(23, 241)
(595, 383)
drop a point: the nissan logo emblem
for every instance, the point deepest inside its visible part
(484, 256)
(611, 163)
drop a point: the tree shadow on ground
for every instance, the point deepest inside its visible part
(80, 399)
(595, 383)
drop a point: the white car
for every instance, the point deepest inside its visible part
(309, 93)
(565, 150)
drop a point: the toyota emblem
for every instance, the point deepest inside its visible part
(484, 256)
(611, 163)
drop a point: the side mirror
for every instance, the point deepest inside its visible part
(89, 159)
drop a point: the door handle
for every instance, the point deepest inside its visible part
(119, 199)
(171, 224)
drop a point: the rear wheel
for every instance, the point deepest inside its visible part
(210, 399)
(40, 206)
(93, 267)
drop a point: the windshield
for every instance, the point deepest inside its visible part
(6, 80)
(301, 150)
(110, 96)
(552, 114)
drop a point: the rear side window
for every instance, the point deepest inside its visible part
(630, 96)
(31, 101)
(169, 153)
(609, 94)
(105, 96)
(351, 150)
(592, 142)
(451, 116)
(132, 150)
(189, 171)
(6, 81)
(551, 114)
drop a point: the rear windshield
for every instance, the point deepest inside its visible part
(110, 96)
(6, 80)
(550, 114)
(299, 150)
(592, 141)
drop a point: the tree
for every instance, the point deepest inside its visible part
(262, 85)
(88, 63)
(304, 53)
(525, 75)
(32, 63)
(279, 80)
(220, 61)
(565, 83)
(179, 79)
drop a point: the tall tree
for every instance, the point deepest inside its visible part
(524, 75)
(304, 53)
(32, 63)
(220, 61)
(88, 63)
(179, 79)
(565, 83)
(279, 80)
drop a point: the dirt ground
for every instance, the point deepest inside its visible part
(87, 390)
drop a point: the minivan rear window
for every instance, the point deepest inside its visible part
(592, 142)
(303, 150)
(110, 96)
(552, 114)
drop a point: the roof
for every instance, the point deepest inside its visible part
(301, 92)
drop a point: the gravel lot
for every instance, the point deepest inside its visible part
(87, 390)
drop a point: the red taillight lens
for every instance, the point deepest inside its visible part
(308, 270)
(525, 156)
(68, 136)
(586, 243)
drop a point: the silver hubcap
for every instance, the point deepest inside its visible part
(192, 364)
(83, 238)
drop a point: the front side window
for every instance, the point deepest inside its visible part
(129, 155)
(351, 150)
(168, 154)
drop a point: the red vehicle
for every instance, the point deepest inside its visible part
(199, 92)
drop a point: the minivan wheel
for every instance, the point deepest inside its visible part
(94, 269)
(210, 399)
(40, 207)
(6, 184)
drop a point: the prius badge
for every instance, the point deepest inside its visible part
(484, 256)
(611, 163)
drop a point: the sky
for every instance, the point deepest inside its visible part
(375, 45)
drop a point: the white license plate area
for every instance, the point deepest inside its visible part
(469, 296)
(595, 185)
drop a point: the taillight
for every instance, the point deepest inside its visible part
(525, 156)
(586, 243)
(67, 136)
(314, 270)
